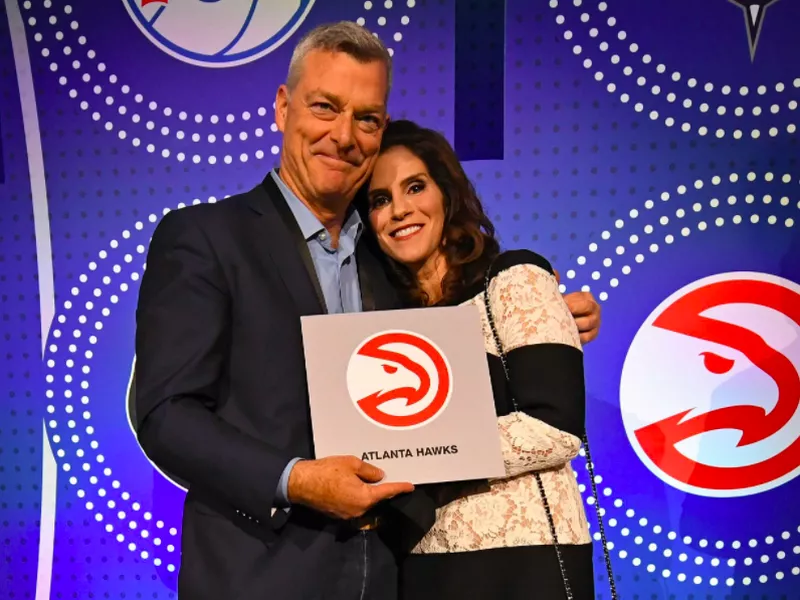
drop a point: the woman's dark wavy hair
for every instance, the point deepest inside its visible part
(469, 243)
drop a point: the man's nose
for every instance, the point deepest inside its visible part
(342, 132)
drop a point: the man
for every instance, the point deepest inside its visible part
(221, 397)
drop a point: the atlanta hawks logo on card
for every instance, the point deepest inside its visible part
(217, 33)
(399, 380)
(710, 386)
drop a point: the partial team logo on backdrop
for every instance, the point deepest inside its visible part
(710, 386)
(218, 33)
(209, 116)
(754, 13)
(399, 380)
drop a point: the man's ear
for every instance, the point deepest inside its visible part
(281, 106)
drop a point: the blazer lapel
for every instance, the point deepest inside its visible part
(289, 251)
(288, 248)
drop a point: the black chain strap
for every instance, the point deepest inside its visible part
(589, 464)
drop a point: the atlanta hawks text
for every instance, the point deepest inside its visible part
(407, 452)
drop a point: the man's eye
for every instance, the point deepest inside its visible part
(378, 201)
(369, 124)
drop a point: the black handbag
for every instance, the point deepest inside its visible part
(585, 440)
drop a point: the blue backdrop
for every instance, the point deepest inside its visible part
(648, 149)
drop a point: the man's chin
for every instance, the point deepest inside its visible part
(334, 183)
(333, 164)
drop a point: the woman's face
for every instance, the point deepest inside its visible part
(406, 208)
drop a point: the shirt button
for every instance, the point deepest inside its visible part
(323, 236)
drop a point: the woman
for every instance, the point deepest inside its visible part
(494, 541)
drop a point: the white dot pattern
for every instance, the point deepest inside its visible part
(683, 221)
(687, 557)
(130, 116)
(82, 318)
(604, 28)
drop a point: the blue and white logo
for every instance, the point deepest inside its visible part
(218, 33)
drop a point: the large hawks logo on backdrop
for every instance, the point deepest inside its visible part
(710, 387)
(399, 380)
(709, 383)
(218, 33)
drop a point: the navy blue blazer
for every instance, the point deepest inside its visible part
(221, 400)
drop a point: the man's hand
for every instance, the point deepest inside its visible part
(586, 311)
(338, 486)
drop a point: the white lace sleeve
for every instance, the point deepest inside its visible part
(528, 444)
(529, 309)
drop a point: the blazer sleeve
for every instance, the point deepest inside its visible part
(545, 361)
(182, 337)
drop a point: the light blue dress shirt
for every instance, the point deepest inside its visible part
(337, 273)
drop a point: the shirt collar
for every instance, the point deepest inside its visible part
(309, 224)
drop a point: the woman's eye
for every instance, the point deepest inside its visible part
(416, 188)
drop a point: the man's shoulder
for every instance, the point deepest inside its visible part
(213, 213)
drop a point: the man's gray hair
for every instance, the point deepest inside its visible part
(345, 36)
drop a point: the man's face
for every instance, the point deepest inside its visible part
(332, 123)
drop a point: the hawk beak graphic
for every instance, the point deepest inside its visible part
(412, 395)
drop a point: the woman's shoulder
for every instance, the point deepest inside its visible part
(518, 258)
(516, 264)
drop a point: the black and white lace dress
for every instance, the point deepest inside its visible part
(496, 543)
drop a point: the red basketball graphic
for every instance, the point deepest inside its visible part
(710, 388)
(399, 379)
